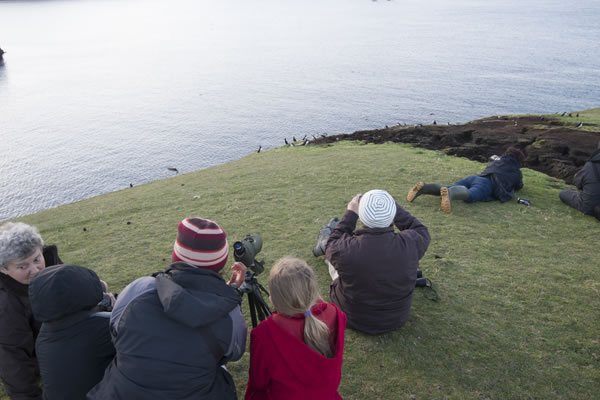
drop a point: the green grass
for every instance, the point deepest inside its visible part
(590, 119)
(520, 288)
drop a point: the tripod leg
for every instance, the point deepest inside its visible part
(252, 306)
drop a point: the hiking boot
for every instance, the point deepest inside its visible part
(423, 188)
(452, 193)
(319, 248)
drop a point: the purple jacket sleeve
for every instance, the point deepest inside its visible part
(340, 237)
(412, 227)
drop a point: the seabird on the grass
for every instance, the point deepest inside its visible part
(579, 125)
(563, 114)
(577, 115)
(434, 122)
(285, 140)
(305, 142)
(294, 138)
(259, 148)
(173, 169)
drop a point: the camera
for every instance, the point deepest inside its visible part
(523, 201)
(246, 250)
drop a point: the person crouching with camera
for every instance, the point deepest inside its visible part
(174, 331)
(296, 353)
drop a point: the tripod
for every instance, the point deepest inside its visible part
(256, 302)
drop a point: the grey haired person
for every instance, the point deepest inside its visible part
(22, 256)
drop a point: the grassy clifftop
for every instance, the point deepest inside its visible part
(519, 286)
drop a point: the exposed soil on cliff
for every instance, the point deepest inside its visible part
(551, 146)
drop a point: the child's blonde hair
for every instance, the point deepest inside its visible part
(294, 290)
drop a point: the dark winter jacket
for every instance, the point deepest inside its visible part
(18, 330)
(506, 176)
(172, 333)
(587, 180)
(377, 270)
(74, 345)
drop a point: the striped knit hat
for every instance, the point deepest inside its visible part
(377, 209)
(202, 243)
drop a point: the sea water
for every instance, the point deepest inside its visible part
(96, 95)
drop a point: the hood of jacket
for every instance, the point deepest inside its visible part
(62, 290)
(193, 296)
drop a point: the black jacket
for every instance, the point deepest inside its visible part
(18, 331)
(158, 327)
(506, 176)
(587, 180)
(74, 344)
(377, 270)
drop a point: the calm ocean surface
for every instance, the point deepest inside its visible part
(98, 94)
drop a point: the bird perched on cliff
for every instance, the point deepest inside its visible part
(285, 140)
(173, 169)
(131, 185)
(294, 138)
(434, 122)
(563, 114)
(577, 115)
(305, 142)
(579, 125)
(259, 149)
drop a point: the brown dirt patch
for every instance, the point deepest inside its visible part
(552, 148)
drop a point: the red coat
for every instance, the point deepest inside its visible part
(283, 367)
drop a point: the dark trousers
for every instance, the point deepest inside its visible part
(573, 199)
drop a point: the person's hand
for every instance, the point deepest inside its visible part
(112, 298)
(238, 275)
(353, 205)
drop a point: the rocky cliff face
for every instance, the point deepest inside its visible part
(551, 147)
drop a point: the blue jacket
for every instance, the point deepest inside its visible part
(158, 325)
(506, 176)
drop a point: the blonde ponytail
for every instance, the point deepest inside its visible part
(294, 290)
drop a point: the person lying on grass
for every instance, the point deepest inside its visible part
(587, 180)
(174, 331)
(374, 269)
(296, 353)
(498, 181)
(22, 256)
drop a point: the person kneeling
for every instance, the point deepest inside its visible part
(297, 352)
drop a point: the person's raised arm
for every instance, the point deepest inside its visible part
(409, 225)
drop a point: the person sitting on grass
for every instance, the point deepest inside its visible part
(22, 256)
(296, 353)
(74, 345)
(174, 331)
(587, 181)
(498, 181)
(374, 269)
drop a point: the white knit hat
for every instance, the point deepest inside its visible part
(377, 209)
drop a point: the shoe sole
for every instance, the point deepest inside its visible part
(412, 193)
(446, 206)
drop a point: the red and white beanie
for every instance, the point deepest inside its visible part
(202, 243)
